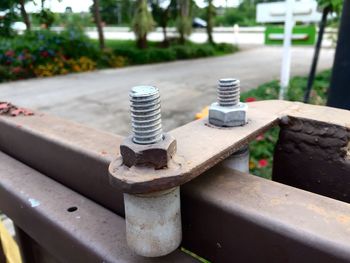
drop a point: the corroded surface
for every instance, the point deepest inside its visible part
(314, 156)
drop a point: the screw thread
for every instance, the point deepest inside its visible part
(146, 115)
(228, 92)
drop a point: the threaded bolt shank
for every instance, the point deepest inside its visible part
(146, 115)
(228, 92)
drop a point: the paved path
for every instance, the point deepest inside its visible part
(100, 99)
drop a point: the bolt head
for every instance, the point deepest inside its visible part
(228, 116)
(156, 155)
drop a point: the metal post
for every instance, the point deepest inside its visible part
(153, 220)
(316, 54)
(238, 161)
(287, 42)
(339, 93)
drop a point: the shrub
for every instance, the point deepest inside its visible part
(46, 53)
(204, 51)
(183, 52)
(262, 148)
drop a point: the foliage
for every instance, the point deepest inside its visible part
(30, 54)
(173, 52)
(8, 7)
(60, 66)
(46, 17)
(142, 23)
(261, 150)
(334, 5)
(184, 20)
(115, 11)
(211, 12)
(5, 24)
(162, 13)
(76, 20)
(243, 15)
(45, 53)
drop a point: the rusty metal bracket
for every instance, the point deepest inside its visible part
(201, 145)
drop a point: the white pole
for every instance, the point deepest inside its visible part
(287, 41)
(235, 34)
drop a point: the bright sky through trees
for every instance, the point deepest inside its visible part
(83, 5)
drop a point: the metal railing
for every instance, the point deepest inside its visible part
(54, 185)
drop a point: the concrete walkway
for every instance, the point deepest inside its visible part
(100, 99)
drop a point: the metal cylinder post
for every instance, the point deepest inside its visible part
(238, 161)
(153, 222)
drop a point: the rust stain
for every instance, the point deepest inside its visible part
(8, 109)
(343, 219)
(318, 210)
(275, 201)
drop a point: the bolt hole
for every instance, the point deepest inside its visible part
(72, 209)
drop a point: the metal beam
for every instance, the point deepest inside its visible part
(69, 226)
(229, 216)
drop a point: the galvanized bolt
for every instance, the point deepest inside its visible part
(146, 115)
(153, 221)
(148, 145)
(228, 111)
(228, 92)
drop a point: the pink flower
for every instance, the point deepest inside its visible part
(16, 70)
(260, 137)
(250, 99)
(44, 54)
(10, 53)
(263, 163)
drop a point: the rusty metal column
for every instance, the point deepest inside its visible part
(339, 93)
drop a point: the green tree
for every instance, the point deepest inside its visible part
(184, 20)
(162, 14)
(127, 7)
(98, 22)
(8, 7)
(142, 23)
(211, 12)
(24, 14)
(46, 17)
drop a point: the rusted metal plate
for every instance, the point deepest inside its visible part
(69, 226)
(199, 147)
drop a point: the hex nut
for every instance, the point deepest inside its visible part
(156, 155)
(228, 116)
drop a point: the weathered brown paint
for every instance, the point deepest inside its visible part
(313, 156)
